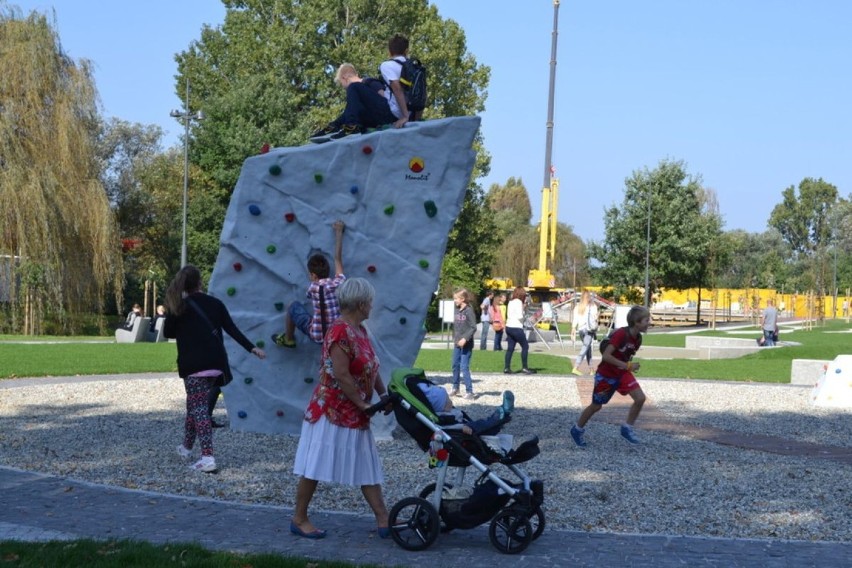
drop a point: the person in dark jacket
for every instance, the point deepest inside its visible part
(464, 326)
(196, 321)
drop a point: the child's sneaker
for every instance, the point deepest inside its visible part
(183, 452)
(324, 134)
(281, 340)
(627, 434)
(576, 371)
(206, 464)
(470, 396)
(577, 434)
(454, 392)
(508, 404)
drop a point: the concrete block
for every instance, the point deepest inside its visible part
(806, 371)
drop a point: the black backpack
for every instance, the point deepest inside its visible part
(413, 80)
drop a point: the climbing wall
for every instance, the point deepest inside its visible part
(399, 193)
(834, 387)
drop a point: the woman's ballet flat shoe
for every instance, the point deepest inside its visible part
(314, 534)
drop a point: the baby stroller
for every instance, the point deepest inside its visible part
(513, 508)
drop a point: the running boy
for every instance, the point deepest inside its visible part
(322, 292)
(615, 373)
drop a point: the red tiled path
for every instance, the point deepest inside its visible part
(653, 419)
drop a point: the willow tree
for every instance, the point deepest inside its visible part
(58, 244)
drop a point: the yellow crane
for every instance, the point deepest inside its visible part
(541, 277)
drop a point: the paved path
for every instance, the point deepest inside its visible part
(37, 507)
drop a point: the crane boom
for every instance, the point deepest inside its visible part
(541, 277)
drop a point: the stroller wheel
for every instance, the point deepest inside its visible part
(414, 523)
(429, 489)
(510, 531)
(537, 522)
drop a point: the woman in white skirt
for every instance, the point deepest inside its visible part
(336, 444)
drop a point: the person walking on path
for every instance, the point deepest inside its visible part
(769, 323)
(615, 373)
(498, 319)
(515, 331)
(585, 322)
(485, 319)
(464, 327)
(336, 444)
(196, 320)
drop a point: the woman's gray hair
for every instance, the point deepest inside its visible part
(353, 292)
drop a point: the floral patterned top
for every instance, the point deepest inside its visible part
(328, 398)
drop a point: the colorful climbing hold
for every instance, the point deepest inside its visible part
(271, 249)
(248, 380)
(371, 268)
(254, 209)
(260, 343)
(231, 291)
(238, 266)
(275, 170)
(242, 414)
(389, 210)
(424, 263)
(279, 306)
(353, 190)
(309, 380)
(403, 321)
(290, 217)
(318, 178)
(265, 148)
(431, 208)
(416, 165)
(367, 150)
(279, 413)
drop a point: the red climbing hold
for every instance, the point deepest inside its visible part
(265, 148)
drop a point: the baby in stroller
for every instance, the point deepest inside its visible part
(451, 418)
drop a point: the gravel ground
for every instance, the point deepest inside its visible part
(124, 433)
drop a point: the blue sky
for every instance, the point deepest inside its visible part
(753, 95)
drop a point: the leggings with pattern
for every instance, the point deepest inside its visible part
(197, 416)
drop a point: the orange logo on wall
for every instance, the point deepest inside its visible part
(416, 165)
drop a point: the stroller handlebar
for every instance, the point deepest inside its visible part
(384, 402)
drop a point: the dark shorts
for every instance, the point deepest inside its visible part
(606, 387)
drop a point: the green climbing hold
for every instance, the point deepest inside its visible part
(431, 208)
(424, 263)
(271, 249)
(389, 210)
(402, 321)
(261, 344)
(318, 178)
(248, 380)
(309, 380)
(279, 306)
(275, 170)
(231, 291)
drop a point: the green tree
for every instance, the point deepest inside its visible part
(266, 76)
(805, 221)
(682, 235)
(58, 235)
(803, 218)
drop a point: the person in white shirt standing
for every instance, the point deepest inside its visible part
(391, 71)
(586, 323)
(485, 319)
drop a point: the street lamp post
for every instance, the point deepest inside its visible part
(648, 254)
(186, 117)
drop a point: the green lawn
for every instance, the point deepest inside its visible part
(127, 554)
(769, 365)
